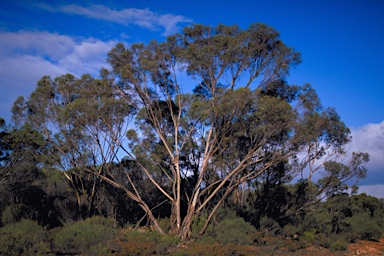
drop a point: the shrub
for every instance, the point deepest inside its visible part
(323, 240)
(230, 230)
(339, 245)
(366, 228)
(165, 224)
(234, 231)
(269, 226)
(309, 237)
(88, 237)
(166, 242)
(23, 238)
(197, 224)
(12, 213)
(290, 231)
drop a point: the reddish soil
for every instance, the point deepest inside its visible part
(366, 248)
(359, 248)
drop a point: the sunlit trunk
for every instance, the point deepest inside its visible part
(186, 227)
(154, 223)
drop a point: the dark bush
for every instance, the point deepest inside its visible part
(86, 237)
(290, 230)
(226, 228)
(234, 231)
(365, 227)
(323, 240)
(25, 237)
(13, 213)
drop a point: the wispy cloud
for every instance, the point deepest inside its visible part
(26, 56)
(141, 17)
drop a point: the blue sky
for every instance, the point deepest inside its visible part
(340, 42)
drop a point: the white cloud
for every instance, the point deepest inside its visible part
(26, 56)
(87, 57)
(373, 190)
(370, 138)
(36, 43)
(141, 17)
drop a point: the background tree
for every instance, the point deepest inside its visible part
(4, 151)
(83, 122)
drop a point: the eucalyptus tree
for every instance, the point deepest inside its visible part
(196, 146)
(225, 133)
(84, 123)
(324, 138)
(321, 167)
(21, 149)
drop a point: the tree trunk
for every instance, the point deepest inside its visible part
(186, 228)
(152, 219)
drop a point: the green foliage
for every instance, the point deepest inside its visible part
(23, 238)
(197, 224)
(165, 224)
(323, 240)
(88, 237)
(234, 231)
(226, 229)
(13, 213)
(309, 237)
(339, 245)
(290, 230)
(364, 227)
(269, 226)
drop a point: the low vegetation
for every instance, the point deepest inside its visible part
(334, 224)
